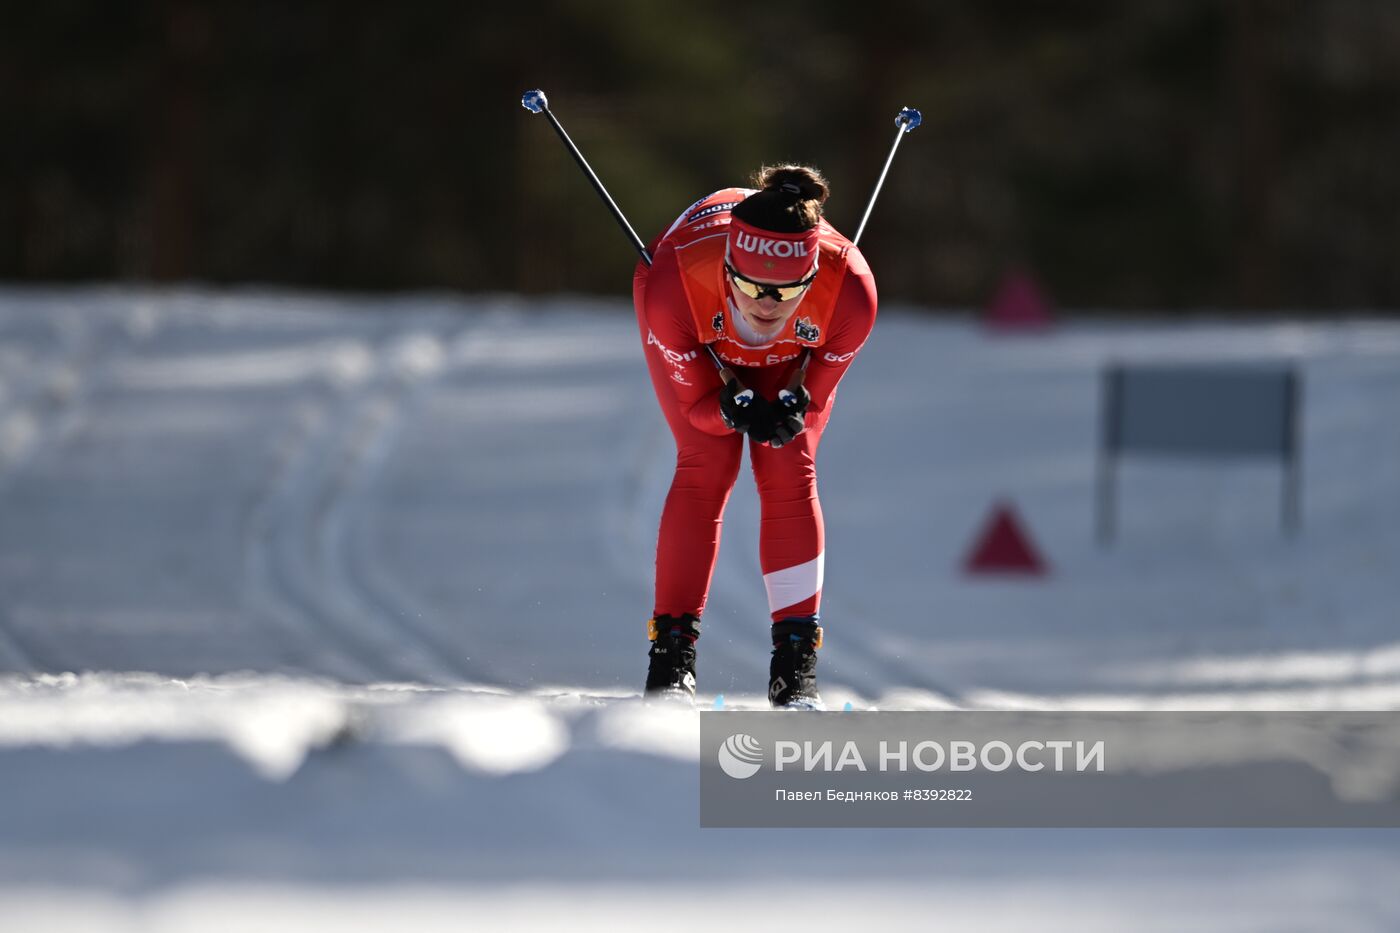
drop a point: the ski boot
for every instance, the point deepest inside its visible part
(792, 674)
(671, 674)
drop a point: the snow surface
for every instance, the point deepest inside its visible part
(322, 612)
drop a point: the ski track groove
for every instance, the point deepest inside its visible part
(298, 540)
(344, 534)
(271, 584)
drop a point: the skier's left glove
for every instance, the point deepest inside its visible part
(788, 415)
(744, 410)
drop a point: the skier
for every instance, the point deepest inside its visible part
(759, 276)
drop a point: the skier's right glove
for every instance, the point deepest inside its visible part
(745, 411)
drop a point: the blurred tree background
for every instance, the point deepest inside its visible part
(1162, 154)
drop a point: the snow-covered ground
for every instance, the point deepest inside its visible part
(313, 610)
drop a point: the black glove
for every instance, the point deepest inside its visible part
(787, 415)
(744, 410)
(772, 423)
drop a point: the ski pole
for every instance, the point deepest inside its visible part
(905, 121)
(536, 102)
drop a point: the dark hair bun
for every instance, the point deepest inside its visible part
(802, 181)
(789, 199)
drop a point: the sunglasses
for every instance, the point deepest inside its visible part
(757, 290)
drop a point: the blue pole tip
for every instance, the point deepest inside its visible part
(908, 118)
(534, 101)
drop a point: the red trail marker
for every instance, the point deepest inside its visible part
(1003, 547)
(1020, 304)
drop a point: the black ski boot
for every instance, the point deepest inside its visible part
(671, 675)
(792, 674)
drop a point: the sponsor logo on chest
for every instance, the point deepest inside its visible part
(726, 350)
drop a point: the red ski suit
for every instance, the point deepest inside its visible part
(682, 303)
